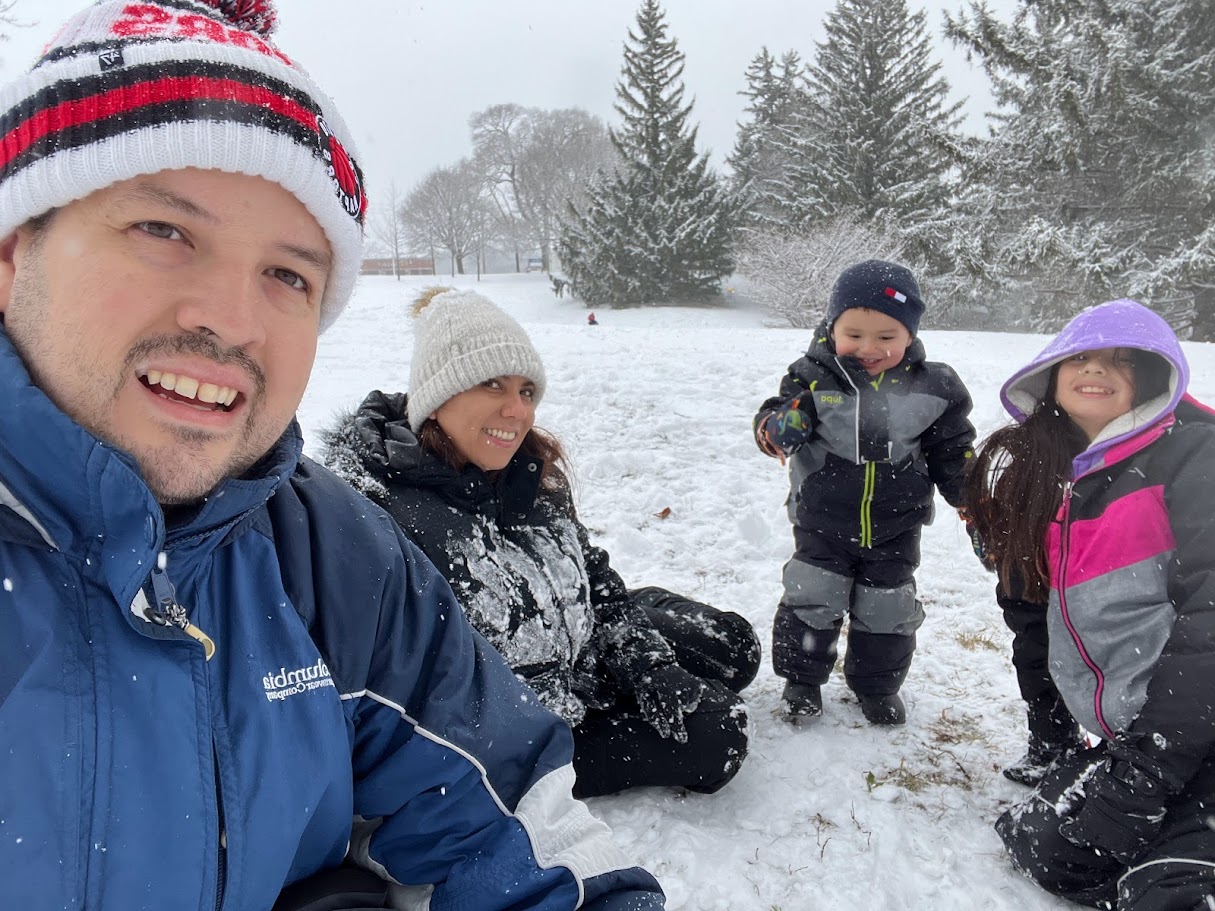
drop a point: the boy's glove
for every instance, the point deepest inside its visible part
(1123, 810)
(786, 428)
(665, 695)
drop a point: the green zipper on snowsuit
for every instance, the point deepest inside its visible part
(870, 479)
(867, 503)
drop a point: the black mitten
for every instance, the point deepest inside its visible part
(1123, 810)
(665, 695)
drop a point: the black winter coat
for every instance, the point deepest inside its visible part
(880, 443)
(517, 557)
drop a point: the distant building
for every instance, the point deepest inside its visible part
(414, 265)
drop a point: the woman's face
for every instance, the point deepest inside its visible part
(487, 423)
(1094, 387)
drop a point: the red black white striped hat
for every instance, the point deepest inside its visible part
(129, 88)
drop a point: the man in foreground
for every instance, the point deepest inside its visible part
(213, 655)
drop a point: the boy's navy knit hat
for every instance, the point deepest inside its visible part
(878, 285)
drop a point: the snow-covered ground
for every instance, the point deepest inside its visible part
(655, 408)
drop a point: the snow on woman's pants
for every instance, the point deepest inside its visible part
(1177, 872)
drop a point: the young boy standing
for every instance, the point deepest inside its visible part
(869, 427)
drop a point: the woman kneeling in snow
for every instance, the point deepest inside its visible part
(648, 680)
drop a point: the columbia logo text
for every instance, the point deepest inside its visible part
(284, 683)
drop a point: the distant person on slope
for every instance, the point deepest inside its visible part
(869, 427)
(1097, 504)
(648, 680)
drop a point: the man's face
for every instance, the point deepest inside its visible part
(174, 316)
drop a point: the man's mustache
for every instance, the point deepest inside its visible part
(204, 346)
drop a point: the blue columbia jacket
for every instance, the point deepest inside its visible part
(137, 773)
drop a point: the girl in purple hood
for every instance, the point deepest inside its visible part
(1096, 511)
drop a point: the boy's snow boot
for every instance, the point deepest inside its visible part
(802, 700)
(882, 708)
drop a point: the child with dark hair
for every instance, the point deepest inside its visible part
(1095, 510)
(869, 428)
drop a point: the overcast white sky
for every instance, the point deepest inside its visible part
(406, 74)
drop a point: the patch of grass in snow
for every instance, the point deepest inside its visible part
(952, 729)
(936, 763)
(911, 780)
(973, 640)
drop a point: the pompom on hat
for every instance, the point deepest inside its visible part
(878, 285)
(460, 341)
(132, 88)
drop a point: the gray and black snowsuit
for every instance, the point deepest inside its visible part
(861, 487)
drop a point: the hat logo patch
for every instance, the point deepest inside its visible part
(901, 298)
(345, 177)
(110, 58)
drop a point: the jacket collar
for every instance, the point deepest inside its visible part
(375, 450)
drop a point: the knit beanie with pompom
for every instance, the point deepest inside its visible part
(460, 341)
(127, 89)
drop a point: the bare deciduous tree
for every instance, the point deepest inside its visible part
(386, 233)
(536, 162)
(448, 210)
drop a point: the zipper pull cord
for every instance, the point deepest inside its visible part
(167, 611)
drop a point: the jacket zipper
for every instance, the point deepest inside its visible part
(221, 875)
(1064, 553)
(867, 503)
(168, 611)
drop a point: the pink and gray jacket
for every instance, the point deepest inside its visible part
(1132, 553)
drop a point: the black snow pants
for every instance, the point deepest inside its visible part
(1177, 873)
(831, 577)
(617, 748)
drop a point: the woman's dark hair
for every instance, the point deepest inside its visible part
(538, 444)
(1014, 485)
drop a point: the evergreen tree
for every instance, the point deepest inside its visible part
(875, 136)
(1098, 180)
(658, 227)
(773, 92)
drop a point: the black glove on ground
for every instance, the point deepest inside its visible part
(1123, 810)
(665, 695)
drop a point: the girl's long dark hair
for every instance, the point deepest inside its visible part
(1014, 488)
(538, 444)
(1015, 483)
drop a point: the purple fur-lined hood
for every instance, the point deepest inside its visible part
(1118, 324)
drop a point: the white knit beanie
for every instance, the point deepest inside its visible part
(132, 88)
(461, 341)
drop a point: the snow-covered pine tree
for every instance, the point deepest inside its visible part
(658, 227)
(877, 136)
(1099, 178)
(758, 164)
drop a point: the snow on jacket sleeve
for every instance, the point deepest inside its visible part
(1176, 726)
(628, 643)
(465, 776)
(949, 442)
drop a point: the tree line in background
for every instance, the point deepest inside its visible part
(1094, 180)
